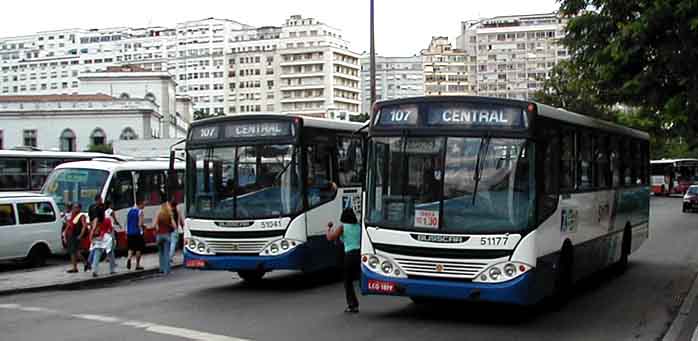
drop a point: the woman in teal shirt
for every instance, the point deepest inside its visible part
(350, 234)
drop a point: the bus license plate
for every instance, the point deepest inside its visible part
(381, 286)
(195, 263)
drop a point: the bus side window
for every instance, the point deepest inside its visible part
(150, 186)
(350, 161)
(602, 175)
(585, 170)
(121, 191)
(615, 163)
(319, 176)
(567, 160)
(549, 168)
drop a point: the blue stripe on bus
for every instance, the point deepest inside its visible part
(517, 291)
(293, 260)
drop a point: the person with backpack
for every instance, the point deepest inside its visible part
(164, 225)
(135, 225)
(350, 234)
(74, 232)
(102, 242)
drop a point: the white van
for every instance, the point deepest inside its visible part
(30, 227)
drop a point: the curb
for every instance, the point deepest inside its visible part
(680, 320)
(119, 277)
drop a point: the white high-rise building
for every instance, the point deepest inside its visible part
(396, 77)
(303, 66)
(511, 56)
(445, 69)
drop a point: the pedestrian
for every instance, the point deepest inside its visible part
(74, 232)
(350, 234)
(92, 212)
(135, 226)
(164, 225)
(109, 214)
(102, 242)
(179, 225)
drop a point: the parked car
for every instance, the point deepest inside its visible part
(30, 227)
(690, 199)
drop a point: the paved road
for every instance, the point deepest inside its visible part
(639, 305)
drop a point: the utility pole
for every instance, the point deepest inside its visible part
(372, 57)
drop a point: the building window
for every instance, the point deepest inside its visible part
(128, 134)
(124, 96)
(30, 138)
(98, 137)
(67, 141)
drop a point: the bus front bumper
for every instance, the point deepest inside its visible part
(518, 291)
(291, 260)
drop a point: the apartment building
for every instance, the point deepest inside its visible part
(224, 66)
(445, 69)
(396, 77)
(511, 56)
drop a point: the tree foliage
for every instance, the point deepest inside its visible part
(101, 148)
(641, 54)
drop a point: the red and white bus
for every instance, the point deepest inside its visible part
(673, 176)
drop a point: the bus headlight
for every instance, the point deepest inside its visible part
(279, 247)
(382, 266)
(197, 246)
(502, 272)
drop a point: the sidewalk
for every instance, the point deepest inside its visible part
(55, 277)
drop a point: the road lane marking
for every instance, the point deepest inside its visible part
(183, 333)
(98, 318)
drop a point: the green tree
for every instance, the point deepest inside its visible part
(642, 54)
(101, 148)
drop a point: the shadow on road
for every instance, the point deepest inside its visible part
(282, 282)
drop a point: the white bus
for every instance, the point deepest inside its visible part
(27, 170)
(261, 189)
(122, 183)
(673, 176)
(476, 198)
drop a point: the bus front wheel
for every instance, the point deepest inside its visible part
(251, 276)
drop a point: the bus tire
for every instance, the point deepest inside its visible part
(622, 264)
(37, 256)
(565, 275)
(251, 276)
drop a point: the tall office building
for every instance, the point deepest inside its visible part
(511, 56)
(396, 77)
(445, 69)
(224, 66)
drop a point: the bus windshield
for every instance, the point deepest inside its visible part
(451, 184)
(73, 185)
(244, 182)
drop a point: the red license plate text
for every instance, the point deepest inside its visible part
(381, 286)
(195, 263)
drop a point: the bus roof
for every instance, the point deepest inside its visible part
(667, 161)
(543, 110)
(313, 122)
(7, 195)
(116, 165)
(52, 154)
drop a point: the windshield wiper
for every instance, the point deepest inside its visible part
(484, 145)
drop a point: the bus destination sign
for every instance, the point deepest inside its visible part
(399, 115)
(258, 129)
(475, 116)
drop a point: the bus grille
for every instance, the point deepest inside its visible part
(236, 246)
(442, 268)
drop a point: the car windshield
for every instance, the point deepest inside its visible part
(692, 190)
(454, 184)
(72, 185)
(244, 182)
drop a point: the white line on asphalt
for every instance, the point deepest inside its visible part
(147, 326)
(98, 318)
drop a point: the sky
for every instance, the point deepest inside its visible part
(403, 27)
